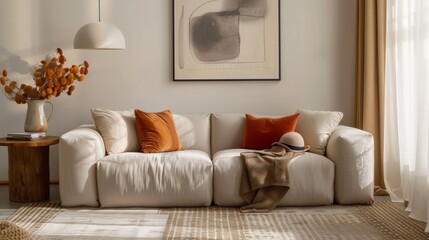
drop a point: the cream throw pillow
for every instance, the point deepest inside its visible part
(316, 127)
(117, 129)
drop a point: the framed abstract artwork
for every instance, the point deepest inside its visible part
(226, 40)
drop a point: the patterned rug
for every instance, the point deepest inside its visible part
(382, 220)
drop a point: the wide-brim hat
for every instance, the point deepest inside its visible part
(293, 142)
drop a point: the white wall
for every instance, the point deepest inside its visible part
(317, 63)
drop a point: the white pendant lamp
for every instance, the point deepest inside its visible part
(99, 35)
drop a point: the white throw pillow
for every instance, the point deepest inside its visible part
(316, 127)
(118, 129)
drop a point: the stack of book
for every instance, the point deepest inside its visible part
(26, 136)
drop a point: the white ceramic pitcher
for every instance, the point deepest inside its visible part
(36, 121)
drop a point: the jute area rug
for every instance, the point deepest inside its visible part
(382, 220)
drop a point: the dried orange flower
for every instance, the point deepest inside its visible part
(43, 93)
(51, 79)
(74, 69)
(63, 81)
(7, 89)
(19, 99)
(62, 59)
(49, 72)
(59, 72)
(33, 94)
(39, 82)
(37, 73)
(27, 90)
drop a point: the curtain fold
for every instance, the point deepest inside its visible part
(406, 147)
(370, 78)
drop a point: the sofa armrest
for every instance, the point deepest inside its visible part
(79, 151)
(352, 151)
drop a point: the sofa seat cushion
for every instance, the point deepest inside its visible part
(181, 178)
(311, 179)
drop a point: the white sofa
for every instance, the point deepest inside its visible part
(209, 171)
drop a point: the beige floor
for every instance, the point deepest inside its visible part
(7, 207)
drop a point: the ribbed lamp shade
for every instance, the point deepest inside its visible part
(99, 35)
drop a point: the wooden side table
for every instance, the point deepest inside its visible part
(29, 169)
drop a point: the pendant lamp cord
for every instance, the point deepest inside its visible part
(99, 12)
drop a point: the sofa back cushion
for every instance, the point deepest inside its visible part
(227, 131)
(193, 131)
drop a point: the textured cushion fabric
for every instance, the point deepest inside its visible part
(227, 131)
(193, 131)
(352, 151)
(316, 127)
(79, 151)
(186, 131)
(117, 129)
(181, 178)
(157, 132)
(311, 180)
(260, 133)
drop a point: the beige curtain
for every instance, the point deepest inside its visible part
(370, 64)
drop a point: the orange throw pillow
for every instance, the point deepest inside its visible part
(260, 133)
(157, 132)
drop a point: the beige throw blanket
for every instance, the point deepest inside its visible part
(265, 178)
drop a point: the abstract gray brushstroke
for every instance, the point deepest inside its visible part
(215, 36)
